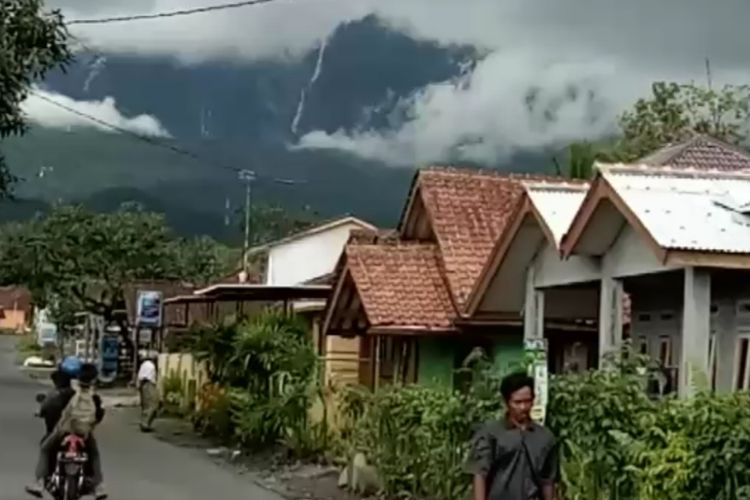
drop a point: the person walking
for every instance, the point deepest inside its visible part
(514, 458)
(149, 392)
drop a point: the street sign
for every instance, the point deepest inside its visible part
(536, 353)
(149, 310)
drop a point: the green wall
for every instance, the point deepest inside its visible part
(440, 357)
(436, 358)
(507, 353)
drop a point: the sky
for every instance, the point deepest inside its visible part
(606, 48)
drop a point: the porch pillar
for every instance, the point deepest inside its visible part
(610, 317)
(533, 311)
(696, 332)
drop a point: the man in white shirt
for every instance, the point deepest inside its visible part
(149, 392)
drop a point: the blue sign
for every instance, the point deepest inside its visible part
(109, 352)
(149, 309)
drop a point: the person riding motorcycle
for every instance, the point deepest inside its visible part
(59, 419)
(57, 399)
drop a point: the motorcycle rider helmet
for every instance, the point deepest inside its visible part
(71, 366)
(88, 374)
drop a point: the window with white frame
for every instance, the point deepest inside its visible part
(742, 363)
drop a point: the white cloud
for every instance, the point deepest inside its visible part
(284, 28)
(42, 112)
(612, 48)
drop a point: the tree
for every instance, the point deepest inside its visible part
(270, 222)
(31, 44)
(74, 259)
(675, 111)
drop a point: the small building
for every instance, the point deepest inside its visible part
(308, 255)
(15, 304)
(406, 296)
(677, 241)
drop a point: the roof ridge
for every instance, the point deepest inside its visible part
(670, 171)
(484, 172)
(581, 187)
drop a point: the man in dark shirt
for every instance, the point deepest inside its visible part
(515, 458)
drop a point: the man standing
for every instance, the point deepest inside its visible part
(515, 458)
(149, 392)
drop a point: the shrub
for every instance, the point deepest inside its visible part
(173, 393)
(268, 366)
(213, 416)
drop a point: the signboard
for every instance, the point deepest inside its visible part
(109, 353)
(149, 309)
(536, 353)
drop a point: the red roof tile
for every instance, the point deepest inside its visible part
(401, 285)
(469, 209)
(701, 152)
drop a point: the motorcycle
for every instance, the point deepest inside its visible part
(69, 479)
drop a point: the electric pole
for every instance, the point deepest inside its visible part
(247, 176)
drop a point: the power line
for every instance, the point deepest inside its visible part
(173, 13)
(143, 138)
(164, 145)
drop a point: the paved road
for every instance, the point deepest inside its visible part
(136, 466)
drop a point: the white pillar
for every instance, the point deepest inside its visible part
(533, 312)
(696, 331)
(610, 317)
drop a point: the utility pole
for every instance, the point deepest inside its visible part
(247, 176)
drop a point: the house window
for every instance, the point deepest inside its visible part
(665, 351)
(644, 317)
(742, 364)
(667, 316)
(743, 308)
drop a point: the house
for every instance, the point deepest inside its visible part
(16, 308)
(525, 259)
(606, 270)
(405, 296)
(308, 255)
(676, 240)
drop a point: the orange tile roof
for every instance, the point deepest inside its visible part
(401, 286)
(469, 210)
(701, 152)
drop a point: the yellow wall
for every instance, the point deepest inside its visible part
(14, 320)
(192, 373)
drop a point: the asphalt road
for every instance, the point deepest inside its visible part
(136, 466)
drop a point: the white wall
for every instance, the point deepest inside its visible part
(307, 257)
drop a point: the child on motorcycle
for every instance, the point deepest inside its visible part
(73, 413)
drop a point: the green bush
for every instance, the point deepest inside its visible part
(268, 364)
(173, 393)
(418, 436)
(619, 444)
(616, 442)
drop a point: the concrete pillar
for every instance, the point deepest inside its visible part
(533, 312)
(696, 331)
(610, 317)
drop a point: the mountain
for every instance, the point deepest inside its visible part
(234, 116)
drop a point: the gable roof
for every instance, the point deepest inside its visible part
(400, 286)
(552, 205)
(678, 211)
(325, 226)
(468, 209)
(701, 152)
